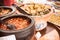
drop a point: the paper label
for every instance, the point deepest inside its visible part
(38, 35)
(10, 37)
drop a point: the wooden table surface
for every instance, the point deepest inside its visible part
(49, 33)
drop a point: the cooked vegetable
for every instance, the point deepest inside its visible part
(36, 9)
(55, 19)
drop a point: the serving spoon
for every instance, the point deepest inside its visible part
(20, 10)
(9, 26)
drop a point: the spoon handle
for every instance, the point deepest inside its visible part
(20, 10)
(9, 26)
(3, 22)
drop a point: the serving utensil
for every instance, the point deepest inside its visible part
(20, 10)
(9, 26)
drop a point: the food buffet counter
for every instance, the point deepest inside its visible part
(50, 32)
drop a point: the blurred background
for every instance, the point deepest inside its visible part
(10, 2)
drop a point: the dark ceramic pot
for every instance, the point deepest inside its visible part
(22, 34)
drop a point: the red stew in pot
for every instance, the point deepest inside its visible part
(20, 23)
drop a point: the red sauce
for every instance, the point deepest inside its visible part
(19, 23)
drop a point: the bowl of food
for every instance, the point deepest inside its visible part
(6, 10)
(24, 26)
(40, 12)
(56, 4)
(37, 10)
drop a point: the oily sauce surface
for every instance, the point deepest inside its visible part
(19, 23)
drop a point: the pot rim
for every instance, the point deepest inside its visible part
(15, 31)
(11, 7)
